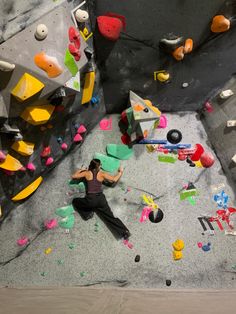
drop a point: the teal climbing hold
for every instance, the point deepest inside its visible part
(77, 184)
(109, 164)
(119, 151)
(65, 211)
(67, 222)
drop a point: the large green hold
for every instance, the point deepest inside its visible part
(109, 164)
(119, 151)
(67, 222)
(65, 211)
(169, 158)
(70, 63)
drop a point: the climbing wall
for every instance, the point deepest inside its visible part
(146, 43)
(220, 123)
(50, 98)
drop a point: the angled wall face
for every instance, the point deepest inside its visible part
(130, 62)
(48, 89)
(222, 134)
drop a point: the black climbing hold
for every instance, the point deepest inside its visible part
(192, 164)
(174, 136)
(137, 258)
(168, 282)
(146, 110)
(156, 216)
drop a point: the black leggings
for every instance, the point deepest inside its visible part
(98, 203)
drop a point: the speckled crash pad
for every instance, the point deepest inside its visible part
(67, 222)
(64, 211)
(109, 164)
(119, 151)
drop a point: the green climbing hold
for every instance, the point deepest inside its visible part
(60, 262)
(67, 222)
(109, 164)
(77, 184)
(65, 211)
(82, 273)
(170, 158)
(70, 63)
(119, 151)
(71, 246)
(187, 193)
(43, 274)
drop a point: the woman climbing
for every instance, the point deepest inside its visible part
(96, 201)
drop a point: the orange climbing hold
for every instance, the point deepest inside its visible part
(220, 24)
(23, 148)
(188, 45)
(178, 53)
(138, 107)
(48, 64)
(10, 163)
(28, 190)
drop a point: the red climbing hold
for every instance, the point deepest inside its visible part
(75, 52)
(198, 152)
(74, 36)
(125, 138)
(109, 27)
(207, 159)
(46, 152)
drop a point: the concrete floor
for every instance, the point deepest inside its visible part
(98, 255)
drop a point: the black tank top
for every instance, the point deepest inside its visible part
(94, 186)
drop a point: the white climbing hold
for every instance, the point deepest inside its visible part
(231, 123)
(81, 15)
(41, 32)
(226, 93)
(234, 158)
(184, 85)
(6, 66)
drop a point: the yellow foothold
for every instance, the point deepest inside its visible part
(23, 148)
(88, 87)
(178, 245)
(28, 190)
(198, 164)
(11, 164)
(48, 250)
(37, 114)
(27, 87)
(177, 255)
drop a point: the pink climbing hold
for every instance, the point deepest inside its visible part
(30, 166)
(163, 122)
(64, 146)
(22, 241)
(77, 138)
(2, 156)
(23, 169)
(208, 107)
(49, 161)
(145, 213)
(199, 244)
(50, 224)
(81, 129)
(128, 244)
(8, 172)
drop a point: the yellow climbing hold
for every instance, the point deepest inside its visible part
(48, 251)
(37, 114)
(198, 164)
(27, 86)
(11, 164)
(153, 108)
(178, 245)
(88, 87)
(23, 148)
(177, 255)
(28, 190)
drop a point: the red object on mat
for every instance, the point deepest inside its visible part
(125, 138)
